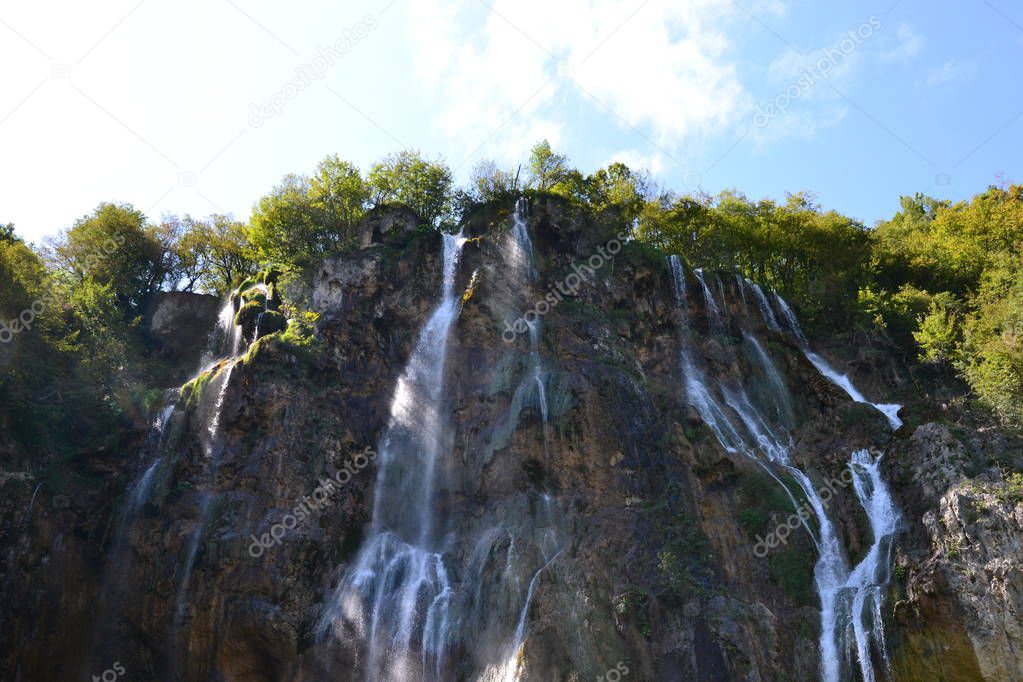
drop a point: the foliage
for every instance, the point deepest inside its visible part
(896, 313)
(113, 246)
(940, 329)
(547, 170)
(816, 259)
(301, 331)
(967, 256)
(22, 277)
(487, 182)
(943, 281)
(792, 570)
(213, 255)
(409, 178)
(1012, 491)
(305, 218)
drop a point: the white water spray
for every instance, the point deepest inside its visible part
(396, 597)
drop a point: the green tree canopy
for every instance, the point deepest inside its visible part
(113, 246)
(305, 218)
(488, 182)
(546, 169)
(409, 178)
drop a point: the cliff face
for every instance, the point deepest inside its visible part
(585, 516)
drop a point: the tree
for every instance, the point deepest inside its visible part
(22, 277)
(113, 246)
(305, 218)
(230, 256)
(338, 195)
(487, 182)
(546, 169)
(991, 354)
(408, 178)
(7, 233)
(621, 187)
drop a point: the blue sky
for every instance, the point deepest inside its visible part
(165, 104)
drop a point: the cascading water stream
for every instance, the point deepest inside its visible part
(522, 259)
(701, 397)
(549, 545)
(847, 596)
(713, 312)
(868, 579)
(265, 290)
(765, 307)
(396, 596)
(231, 339)
(225, 338)
(890, 411)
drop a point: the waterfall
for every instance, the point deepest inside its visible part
(230, 343)
(765, 307)
(868, 579)
(511, 670)
(232, 332)
(157, 436)
(512, 667)
(848, 597)
(713, 312)
(266, 307)
(31, 504)
(522, 254)
(396, 596)
(890, 411)
(225, 339)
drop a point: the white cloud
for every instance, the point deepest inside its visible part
(802, 99)
(951, 70)
(774, 7)
(660, 66)
(907, 45)
(639, 160)
(797, 124)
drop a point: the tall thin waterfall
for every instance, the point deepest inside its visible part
(230, 340)
(511, 669)
(224, 344)
(850, 599)
(523, 246)
(395, 599)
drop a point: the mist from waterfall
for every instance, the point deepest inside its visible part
(395, 598)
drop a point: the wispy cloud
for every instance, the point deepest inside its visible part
(661, 67)
(654, 162)
(953, 69)
(905, 45)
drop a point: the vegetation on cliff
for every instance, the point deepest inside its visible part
(943, 281)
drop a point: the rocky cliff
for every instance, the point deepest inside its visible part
(590, 518)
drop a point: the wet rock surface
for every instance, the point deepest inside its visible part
(655, 523)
